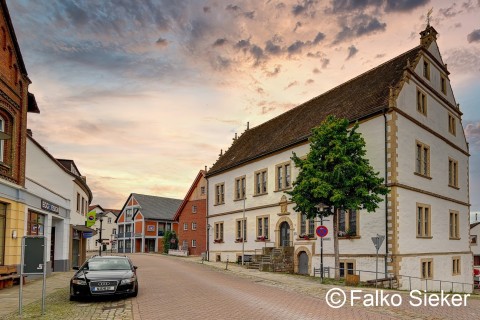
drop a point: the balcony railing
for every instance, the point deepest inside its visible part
(121, 235)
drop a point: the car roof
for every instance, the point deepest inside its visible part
(109, 257)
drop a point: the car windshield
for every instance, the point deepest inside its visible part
(99, 264)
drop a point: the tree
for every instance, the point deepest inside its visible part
(335, 175)
(170, 241)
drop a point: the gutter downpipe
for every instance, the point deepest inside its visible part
(386, 196)
(206, 209)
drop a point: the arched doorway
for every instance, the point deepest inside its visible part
(303, 263)
(284, 234)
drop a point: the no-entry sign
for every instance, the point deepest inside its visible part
(322, 231)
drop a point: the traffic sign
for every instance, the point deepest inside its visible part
(377, 241)
(322, 231)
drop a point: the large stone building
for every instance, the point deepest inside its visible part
(15, 102)
(412, 126)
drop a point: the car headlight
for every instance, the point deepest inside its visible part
(79, 282)
(128, 281)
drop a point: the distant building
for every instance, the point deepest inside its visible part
(143, 221)
(192, 217)
(474, 239)
(412, 126)
(15, 102)
(109, 229)
(474, 216)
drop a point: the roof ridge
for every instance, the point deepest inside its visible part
(149, 195)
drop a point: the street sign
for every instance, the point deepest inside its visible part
(88, 234)
(377, 241)
(322, 231)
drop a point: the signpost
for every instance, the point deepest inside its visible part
(322, 232)
(377, 242)
(33, 261)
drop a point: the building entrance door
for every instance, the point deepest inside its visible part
(75, 252)
(284, 234)
(3, 219)
(303, 263)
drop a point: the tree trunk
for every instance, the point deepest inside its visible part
(335, 244)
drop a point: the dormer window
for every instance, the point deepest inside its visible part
(426, 69)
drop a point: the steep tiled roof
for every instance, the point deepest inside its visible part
(358, 98)
(160, 208)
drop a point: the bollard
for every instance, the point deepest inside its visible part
(226, 266)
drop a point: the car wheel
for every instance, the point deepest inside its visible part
(73, 298)
(135, 293)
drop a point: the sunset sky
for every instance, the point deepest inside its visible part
(143, 94)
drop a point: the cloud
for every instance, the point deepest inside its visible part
(249, 14)
(309, 81)
(161, 42)
(219, 42)
(463, 60)
(297, 25)
(359, 25)
(295, 47)
(206, 9)
(352, 51)
(291, 84)
(232, 7)
(474, 36)
(316, 70)
(472, 133)
(449, 12)
(257, 53)
(272, 48)
(351, 5)
(404, 5)
(243, 44)
(275, 71)
(304, 8)
(319, 37)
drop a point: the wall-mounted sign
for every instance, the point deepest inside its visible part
(48, 206)
(151, 228)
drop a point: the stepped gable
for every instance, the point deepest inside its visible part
(358, 98)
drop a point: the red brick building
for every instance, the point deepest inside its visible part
(192, 217)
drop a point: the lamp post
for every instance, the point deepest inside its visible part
(100, 236)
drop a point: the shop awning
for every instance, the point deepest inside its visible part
(81, 228)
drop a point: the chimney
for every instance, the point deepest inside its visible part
(248, 125)
(84, 178)
(235, 137)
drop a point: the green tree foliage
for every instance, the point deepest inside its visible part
(336, 175)
(170, 241)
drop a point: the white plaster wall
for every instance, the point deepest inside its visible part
(442, 270)
(440, 224)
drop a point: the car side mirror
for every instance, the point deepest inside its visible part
(76, 268)
(135, 267)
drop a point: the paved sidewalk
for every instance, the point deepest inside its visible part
(32, 291)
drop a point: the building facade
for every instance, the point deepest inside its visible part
(143, 221)
(412, 127)
(15, 102)
(192, 217)
(109, 229)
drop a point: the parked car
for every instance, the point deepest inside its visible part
(104, 275)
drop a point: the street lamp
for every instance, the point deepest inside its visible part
(100, 241)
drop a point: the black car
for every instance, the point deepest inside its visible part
(104, 275)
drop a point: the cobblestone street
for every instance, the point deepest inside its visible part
(180, 288)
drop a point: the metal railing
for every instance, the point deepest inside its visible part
(428, 285)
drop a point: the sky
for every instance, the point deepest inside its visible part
(144, 94)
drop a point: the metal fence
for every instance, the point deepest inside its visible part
(428, 285)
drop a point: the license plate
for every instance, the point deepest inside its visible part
(103, 288)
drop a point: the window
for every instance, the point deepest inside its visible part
(443, 84)
(283, 172)
(452, 124)
(241, 230)
(184, 245)
(109, 220)
(220, 193)
(194, 209)
(185, 226)
(426, 69)
(347, 264)
(423, 220)
(78, 202)
(218, 231)
(307, 227)
(83, 206)
(194, 226)
(454, 225)
(473, 240)
(114, 231)
(456, 270)
(261, 182)
(240, 188)
(347, 223)
(427, 268)
(194, 243)
(452, 173)
(202, 190)
(35, 224)
(421, 102)
(422, 161)
(262, 228)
